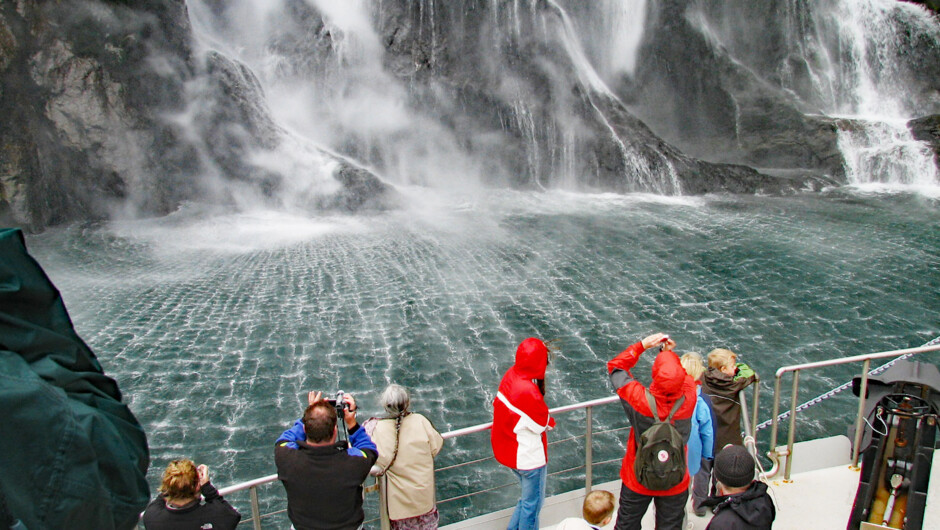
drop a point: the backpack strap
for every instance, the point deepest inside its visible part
(652, 401)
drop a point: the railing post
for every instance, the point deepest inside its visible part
(255, 508)
(756, 403)
(749, 442)
(861, 412)
(588, 450)
(386, 524)
(791, 436)
(774, 421)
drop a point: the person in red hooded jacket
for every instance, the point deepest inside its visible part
(670, 381)
(520, 419)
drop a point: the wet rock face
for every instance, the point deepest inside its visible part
(83, 85)
(504, 70)
(107, 110)
(927, 129)
(704, 100)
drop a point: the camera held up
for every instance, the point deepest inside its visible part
(339, 403)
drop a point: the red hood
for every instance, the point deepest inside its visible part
(532, 358)
(668, 376)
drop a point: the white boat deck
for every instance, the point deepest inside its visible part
(820, 494)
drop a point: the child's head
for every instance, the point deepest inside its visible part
(722, 359)
(693, 364)
(598, 507)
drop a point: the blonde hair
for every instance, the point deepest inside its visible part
(180, 480)
(720, 358)
(598, 505)
(693, 364)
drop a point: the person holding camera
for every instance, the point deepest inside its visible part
(180, 504)
(322, 476)
(670, 384)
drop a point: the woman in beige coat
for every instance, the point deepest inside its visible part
(407, 445)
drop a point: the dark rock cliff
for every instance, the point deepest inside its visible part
(108, 112)
(927, 129)
(80, 94)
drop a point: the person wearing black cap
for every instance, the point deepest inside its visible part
(742, 502)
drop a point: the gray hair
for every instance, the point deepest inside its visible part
(395, 399)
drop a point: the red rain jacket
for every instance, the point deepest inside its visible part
(669, 382)
(520, 415)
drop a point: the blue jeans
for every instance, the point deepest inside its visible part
(526, 514)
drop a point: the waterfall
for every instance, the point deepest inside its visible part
(663, 180)
(880, 148)
(860, 62)
(551, 73)
(884, 152)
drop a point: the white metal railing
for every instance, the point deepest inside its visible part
(774, 454)
(587, 406)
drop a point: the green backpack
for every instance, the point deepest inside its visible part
(660, 452)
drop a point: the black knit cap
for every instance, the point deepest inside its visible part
(734, 466)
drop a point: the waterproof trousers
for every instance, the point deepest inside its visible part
(670, 510)
(702, 484)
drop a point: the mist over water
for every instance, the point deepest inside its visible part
(215, 324)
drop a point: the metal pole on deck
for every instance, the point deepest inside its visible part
(861, 412)
(749, 441)
(383, 506)
(588, 451)
(255, 508)
(791, 436)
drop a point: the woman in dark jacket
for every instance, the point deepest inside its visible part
(180, 505)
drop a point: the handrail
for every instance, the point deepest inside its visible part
(252, 485)
(866, 359)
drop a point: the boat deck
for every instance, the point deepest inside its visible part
(820, 494)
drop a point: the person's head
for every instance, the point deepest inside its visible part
(180, 480)
(320, 422)
(668, 376)
(532, 358)
(598, 507)
(693, 364)
(734, 469)
(395, 400)
(723, 360)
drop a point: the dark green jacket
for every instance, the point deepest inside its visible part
(72, 455)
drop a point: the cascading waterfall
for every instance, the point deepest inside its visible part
(664, 181)
(857, 73)
(856, 61)
(882, 149)
(348, 101)
(884, 152)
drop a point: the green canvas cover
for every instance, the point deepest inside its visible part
(72, 455)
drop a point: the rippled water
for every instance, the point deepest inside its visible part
(216, 324)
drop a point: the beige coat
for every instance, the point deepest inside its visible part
(409, 482)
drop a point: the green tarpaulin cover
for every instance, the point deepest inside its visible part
(72, 455)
